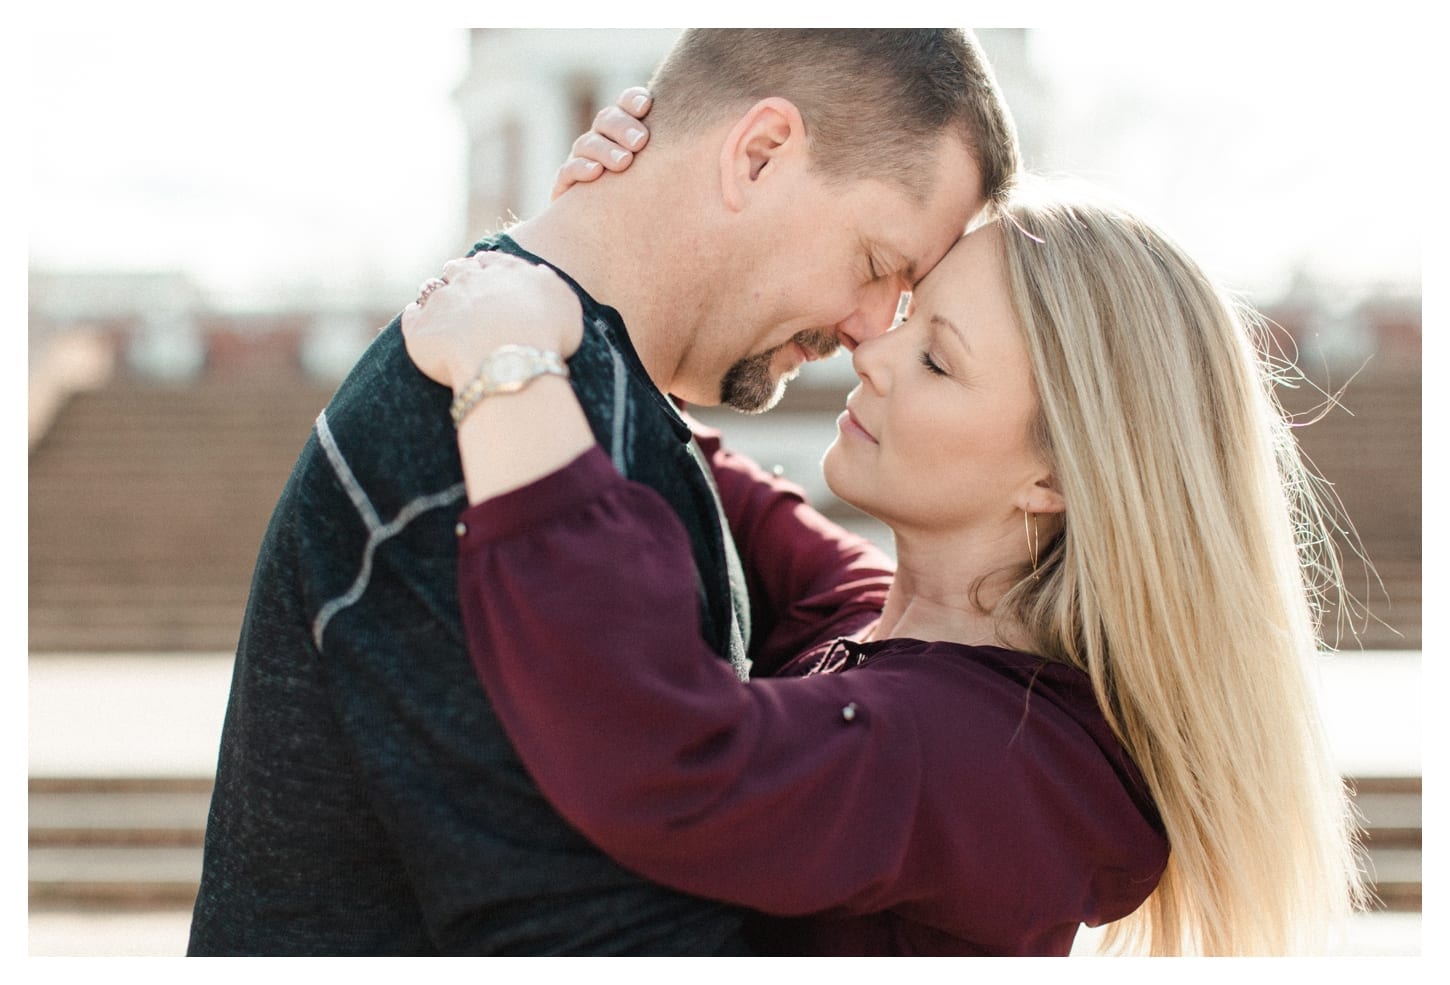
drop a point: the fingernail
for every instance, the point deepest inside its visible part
(591, 165)
(619, 155)
(639, 103)
(633, 136)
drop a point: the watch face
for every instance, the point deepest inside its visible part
(509, 367)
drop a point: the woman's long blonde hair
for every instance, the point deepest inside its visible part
(1184, 579)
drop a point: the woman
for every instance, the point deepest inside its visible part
(1095, 646)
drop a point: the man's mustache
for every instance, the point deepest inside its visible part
(822, 345)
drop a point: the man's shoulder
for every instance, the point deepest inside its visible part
(387, 424)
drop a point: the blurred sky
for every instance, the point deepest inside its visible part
(328, 157)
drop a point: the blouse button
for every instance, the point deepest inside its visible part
(848, 713)
(461, 529)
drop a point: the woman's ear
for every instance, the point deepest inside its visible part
(766, 140)
(1043, 497)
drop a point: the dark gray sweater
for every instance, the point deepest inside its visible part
(367, 800)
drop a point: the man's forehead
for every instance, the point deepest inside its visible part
(916, 248)
(918, 237)
(911, 232)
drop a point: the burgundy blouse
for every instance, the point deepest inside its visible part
(894, 797)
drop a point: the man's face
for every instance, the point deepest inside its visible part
(827, 270)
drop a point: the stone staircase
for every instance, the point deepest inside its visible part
(1392, 813)
(116, 843)
(1370, 450)
(136, 843)
(147, 505)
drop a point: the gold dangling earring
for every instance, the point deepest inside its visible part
(1033, 540)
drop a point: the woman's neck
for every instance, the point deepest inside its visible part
(939, 581)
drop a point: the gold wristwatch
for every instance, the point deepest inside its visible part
(508, 369)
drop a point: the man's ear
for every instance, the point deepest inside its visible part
(767, 136)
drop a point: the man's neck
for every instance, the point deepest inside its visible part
(595, 234)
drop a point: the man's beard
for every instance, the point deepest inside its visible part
(748, 386)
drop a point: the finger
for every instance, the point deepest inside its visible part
(575, 171)
(636, 101)
(620, 127)
(493, 258)
(602, 150)
(454, 267)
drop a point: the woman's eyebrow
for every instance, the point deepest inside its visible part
(941, 321)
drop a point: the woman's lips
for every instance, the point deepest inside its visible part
(848, 423)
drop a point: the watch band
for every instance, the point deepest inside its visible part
(508, 369)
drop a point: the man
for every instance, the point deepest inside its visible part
(367, 800)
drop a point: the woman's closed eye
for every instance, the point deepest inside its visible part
(932, 366)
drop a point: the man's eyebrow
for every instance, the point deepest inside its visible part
(941, 321)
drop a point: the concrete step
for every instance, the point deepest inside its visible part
(112, 812)
(122, 749)
(1391, 809)
(138, 842)
(114, 876)
(136, 620)
(116, 842)
(126, 640)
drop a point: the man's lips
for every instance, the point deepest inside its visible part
(810, 353)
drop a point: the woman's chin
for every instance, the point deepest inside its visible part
(838, 476)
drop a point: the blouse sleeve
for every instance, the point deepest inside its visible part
(904, 786)
(809, 579)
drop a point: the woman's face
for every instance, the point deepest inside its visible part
(936, 436)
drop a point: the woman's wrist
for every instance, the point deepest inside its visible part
(472, 357)
(511, 439)
(508, 369)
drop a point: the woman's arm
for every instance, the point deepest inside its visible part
(642, 738)
(486, 302)
(921, 783)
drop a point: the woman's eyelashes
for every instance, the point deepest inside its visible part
(932, 366)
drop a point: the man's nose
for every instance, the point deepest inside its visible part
(872, 317)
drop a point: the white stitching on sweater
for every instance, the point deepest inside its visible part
(616, 449)
(377, 531)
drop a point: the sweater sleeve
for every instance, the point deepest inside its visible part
(809, 578)
(856, 792)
